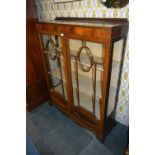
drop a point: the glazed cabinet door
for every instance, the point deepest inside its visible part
(87, 70)
(55, 70)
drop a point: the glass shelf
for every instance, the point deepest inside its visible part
(85, 62)
(85, 80)
(97, 60)
(86, 101)
(85, 83)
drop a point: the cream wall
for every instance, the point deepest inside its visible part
(92, 8)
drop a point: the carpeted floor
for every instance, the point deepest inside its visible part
(53, 133)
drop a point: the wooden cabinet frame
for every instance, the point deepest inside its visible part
(36, 89)
(103, 31)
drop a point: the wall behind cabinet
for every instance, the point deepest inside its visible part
(92, 8)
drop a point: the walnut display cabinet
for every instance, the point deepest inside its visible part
(82, 62)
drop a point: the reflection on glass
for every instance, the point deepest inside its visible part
(55, 62)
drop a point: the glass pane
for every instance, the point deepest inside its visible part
(117, 54)
(86, 68)
(53, 53)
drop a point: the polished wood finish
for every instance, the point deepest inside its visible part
(36, 89)
(105, 35)
(116, 20)
(127, 151)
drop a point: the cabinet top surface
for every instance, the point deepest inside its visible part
(89, 22)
